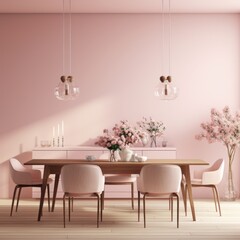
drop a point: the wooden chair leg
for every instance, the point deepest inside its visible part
(103, 199)
(214, 198)
(64, 222)
(19, 194)
(139, 206)
(13, 199)
(69, 209)
(177, 211)
(98, 203)
(132, 194)
(48, 191)
(72, 204)
(144, 210)
(218, 200)
(102, 206)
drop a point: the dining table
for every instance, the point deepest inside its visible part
(54, 166)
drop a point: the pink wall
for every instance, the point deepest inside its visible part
(116, 62)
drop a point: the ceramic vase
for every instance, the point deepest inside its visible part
(125, 154)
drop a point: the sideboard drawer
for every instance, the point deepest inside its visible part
(84, 153)
(49, 154)
(160, 154)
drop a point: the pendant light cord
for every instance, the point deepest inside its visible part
(67, 40)
(70, 37)
(170, 36)
(163, 30)
(63, 37)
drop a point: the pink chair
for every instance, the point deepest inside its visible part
(162, 181)
(25, 177)
(122, 179)
(82, 180)
(119, 179)
(210, 177)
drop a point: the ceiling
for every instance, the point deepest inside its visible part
(120, 6)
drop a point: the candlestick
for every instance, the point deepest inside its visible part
(62, 128)
(58, 135)
(62, 141)
(58, 130)
(53, 143)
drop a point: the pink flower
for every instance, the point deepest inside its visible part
(152, 127)
(121, 135)
(223, 127)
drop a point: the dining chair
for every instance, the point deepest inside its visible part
(210, 178)
(119, 179)
(122, 179)
(81, 181)
(25, 177)
(161, 181)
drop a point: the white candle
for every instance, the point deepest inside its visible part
(53, 132)
(62, 128)
(58, 130)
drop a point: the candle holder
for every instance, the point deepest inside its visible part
(62, 141)
(53, 142)
(58, 141)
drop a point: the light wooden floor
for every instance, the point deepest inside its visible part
(120, 222)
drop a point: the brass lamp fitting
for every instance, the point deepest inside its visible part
(163, 79)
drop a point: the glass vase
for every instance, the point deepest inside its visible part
(230, 192)
(113, 156)
(153, 141)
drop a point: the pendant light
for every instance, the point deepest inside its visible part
(66, 89)
(165, 89)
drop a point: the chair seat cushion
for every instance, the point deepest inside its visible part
(40, 182)
(196, 181)
(120, 178)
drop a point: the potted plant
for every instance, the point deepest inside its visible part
(225, 128)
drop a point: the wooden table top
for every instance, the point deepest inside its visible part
(179, 162)
(114, 167)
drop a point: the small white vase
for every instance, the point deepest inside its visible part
(125, 154)
(144, 141)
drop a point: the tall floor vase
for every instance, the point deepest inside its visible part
(230, 192)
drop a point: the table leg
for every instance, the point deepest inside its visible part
(43, 190)
(184, 197)
(57, 175)
(186, 173)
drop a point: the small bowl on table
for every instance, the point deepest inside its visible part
(142, 158)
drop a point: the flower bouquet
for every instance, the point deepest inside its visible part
(121, 136)
(153, 128)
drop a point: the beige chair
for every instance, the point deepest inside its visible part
(81, 181)
(25, 177)
(161, 181)
(210, 177)
(119, 179)
(122, 179)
